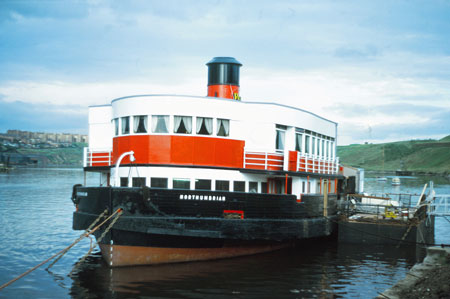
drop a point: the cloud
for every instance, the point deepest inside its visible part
(42, 117)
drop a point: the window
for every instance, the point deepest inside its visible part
(223, 127)
(204, 126)
(160, 124)
(158, 182)
(298, 142)
(239, 186)
(182, 124)
(253, 187)
(313, 151)
(116, 126)
(327, 149)
(303, 187)
(181, 184)
(307, 144)
(202, 184)
(222, 186)
(140, 124)
(279, 140)
(125, 125)
(322, 148)
(123, 182)
(264, 187)
(138, 182)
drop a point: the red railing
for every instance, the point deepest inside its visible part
(263, 160)
(96, 158)
(306, 163)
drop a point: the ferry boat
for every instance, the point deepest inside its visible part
(207, 177)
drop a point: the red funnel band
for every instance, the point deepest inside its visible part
(224, 91)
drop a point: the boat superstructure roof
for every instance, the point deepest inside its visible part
(216, 99)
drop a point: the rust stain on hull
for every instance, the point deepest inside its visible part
(118, 255)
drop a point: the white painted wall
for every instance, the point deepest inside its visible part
(100, 127)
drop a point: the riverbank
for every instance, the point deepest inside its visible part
(420, 157)
(429, 279)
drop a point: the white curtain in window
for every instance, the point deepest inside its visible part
(125, 125)
(177, 123)
(140, 124)
(187, 120)
(160, 124)
(207, 123)
(223, 127)
(183, 120)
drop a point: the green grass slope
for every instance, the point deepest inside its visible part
(415, 155)
(68, 156)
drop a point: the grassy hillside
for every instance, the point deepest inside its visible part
(415, 155)
(69, 156)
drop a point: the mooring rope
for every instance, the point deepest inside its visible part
(84, 235)
(98, 241)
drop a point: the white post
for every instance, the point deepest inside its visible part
(85, 156)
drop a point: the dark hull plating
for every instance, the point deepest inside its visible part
(162, 225)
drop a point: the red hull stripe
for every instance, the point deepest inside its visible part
(180, 150)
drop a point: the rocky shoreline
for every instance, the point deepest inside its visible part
(429, 279)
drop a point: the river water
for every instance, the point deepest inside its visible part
(36, 222)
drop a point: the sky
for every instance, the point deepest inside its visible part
(380, 69)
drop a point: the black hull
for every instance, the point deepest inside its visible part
(199, 224)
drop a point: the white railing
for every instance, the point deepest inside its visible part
(440, 206)
(97, 157)
(263, 160)
(314, 164)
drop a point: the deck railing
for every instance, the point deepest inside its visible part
(98, 157)
(309, 163)
(295, 161)
(263, 160)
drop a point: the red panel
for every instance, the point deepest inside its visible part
(159, 149)
(293, 160)
(180, 150)
(204, 151)
(224, 91)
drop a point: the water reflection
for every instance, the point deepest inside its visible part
(318, 269)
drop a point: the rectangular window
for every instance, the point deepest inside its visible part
(223, 127)
(158, 183)
(264, 187)
(222, 185)
(327, 149)
(204, 126)
(303, 187)
(140, 124)
(160, 124)
(182, 124)
(125, 125)
(298, 142)
(181, 184)
(253, 187)
(138, 182)
(307, 144)
(322, 148)
(116, 126)
(202, 184)
(123, 182)
(279, 139)
(239, 186)
(313, 141)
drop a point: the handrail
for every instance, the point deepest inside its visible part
(132, 159)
